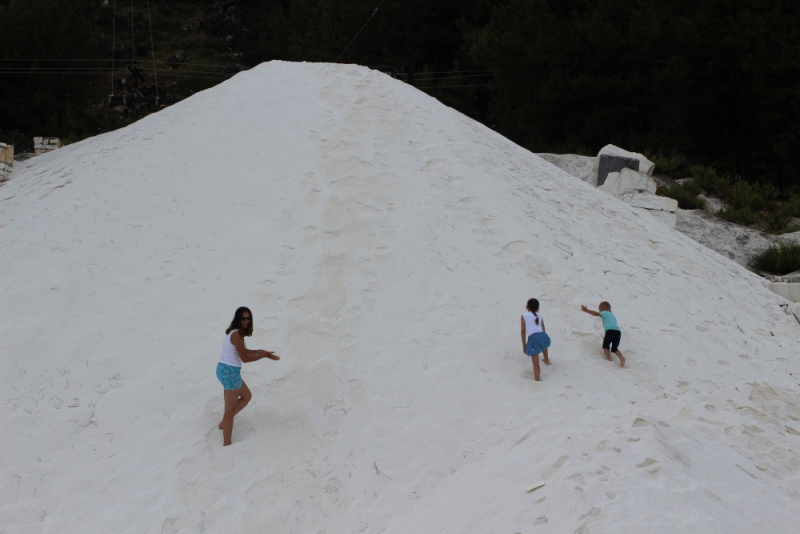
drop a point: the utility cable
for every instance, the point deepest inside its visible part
(113, 43)
(133, 41)
(374, 11)
(152, 49)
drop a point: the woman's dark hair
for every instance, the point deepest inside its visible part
(236, 324)
(533, 307)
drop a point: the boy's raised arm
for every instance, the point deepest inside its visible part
(590, 312)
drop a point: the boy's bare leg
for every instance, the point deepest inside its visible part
(621, 358)
(608, 354)
(536, 371)
(546, 357)
(244, 397)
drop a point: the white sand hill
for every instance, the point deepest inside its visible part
(386, 245)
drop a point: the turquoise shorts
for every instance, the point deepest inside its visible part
(229, 376)
(537, 343)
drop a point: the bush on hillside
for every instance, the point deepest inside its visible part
(685, 194)
(745, 216)
(781, 259)
(792, 206)
(669, 165)
(714, 184)
(779, 221)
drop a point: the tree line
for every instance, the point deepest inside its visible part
(717, 82)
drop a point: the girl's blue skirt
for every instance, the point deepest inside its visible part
(537, 343)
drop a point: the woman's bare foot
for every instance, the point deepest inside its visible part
(621, 359)
(547, 362)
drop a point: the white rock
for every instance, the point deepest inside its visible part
(37, 140)
(578, 166)
(713, 205)
(787, 290)
(795, 309)
(3, 145)
(645, 165)
(666, 217)
(627, 180)
(654, 202)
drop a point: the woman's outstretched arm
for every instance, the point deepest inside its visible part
(248, 355)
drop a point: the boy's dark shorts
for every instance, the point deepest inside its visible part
(612, 339)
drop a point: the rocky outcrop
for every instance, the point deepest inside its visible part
(787, 290)
(628, 181)
(45, 144)
(738, 243)
(638, 190)
(578, 166)
(645, 166)
(6, 161)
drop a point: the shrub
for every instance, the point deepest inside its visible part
(781, 259)
(669, 165)
(792, 206)
(744, 216)
(778, 222)
(746, 195)
(686, 195)
(713, 183)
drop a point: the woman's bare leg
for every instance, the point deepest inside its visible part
(243, 397)
(536, 370)
(231, 399)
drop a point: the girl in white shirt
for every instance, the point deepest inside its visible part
(534, 338)
(234, 352)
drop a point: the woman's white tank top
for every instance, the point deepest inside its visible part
(230, 355)
(530, 323)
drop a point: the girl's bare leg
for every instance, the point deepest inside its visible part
(621, 358)
(536, 371)
(244, 397)
(546, 357)
(608, 354)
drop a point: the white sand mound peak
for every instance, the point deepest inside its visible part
(386, 245)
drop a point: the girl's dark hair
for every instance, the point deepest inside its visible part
(236, 324)
(533, 307)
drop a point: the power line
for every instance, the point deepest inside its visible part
(152, 49)
(451, 86)
(113, 43)
(133, 41)
(374, 11)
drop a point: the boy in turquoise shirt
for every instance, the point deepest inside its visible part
(613, 333)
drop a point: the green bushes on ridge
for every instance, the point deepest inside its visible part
(781, 259)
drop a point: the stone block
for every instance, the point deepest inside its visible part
(645, 165)
(37, 140)
(794, 277)
(654, 202)
(789, 291)
(607, 164)
(578, 166)
(628, 181)
(666, 217)
(7, 153)
(795, 309)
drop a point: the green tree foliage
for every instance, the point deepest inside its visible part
(717, 80)
(43, 96)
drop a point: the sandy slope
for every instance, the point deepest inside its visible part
(386, 245)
